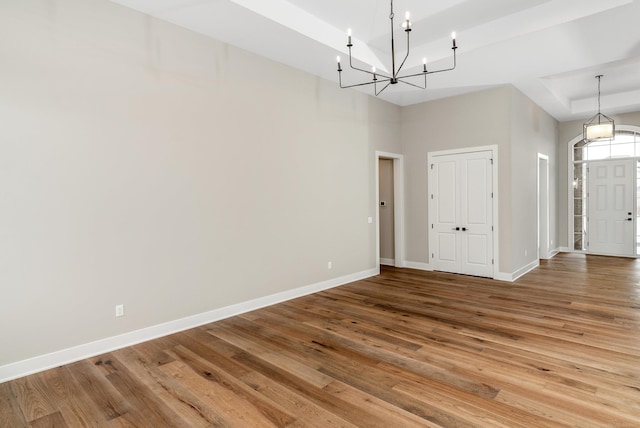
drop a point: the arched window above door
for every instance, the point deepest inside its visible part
(624, 144)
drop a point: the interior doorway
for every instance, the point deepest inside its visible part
(386, 212)
(392, 212)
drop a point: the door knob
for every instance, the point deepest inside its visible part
(464, 229)
(456, 228)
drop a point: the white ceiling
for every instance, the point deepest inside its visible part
(551, 50)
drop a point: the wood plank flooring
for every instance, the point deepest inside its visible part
(559, 347)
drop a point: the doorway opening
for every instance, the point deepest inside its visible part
(389, 182)
(386, 212)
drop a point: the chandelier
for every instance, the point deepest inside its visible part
(599, 127)
(386, 79)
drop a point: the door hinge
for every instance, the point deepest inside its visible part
(433, 255)
(432, 196)
(492, 261)
(492, 228)
(491, 161)
(491, 195)
(431, 166)
(432, 226)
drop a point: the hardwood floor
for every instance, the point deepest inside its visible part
(559, 347)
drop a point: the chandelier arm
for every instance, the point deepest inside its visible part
(405, 57)
(450, 68)
(364, 84)
(363, 70)
(434, 71)
(385, 87)
(414, 85)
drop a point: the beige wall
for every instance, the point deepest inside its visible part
(387, 237)
(477, 119)
(147, 165)
(533, 131)
(566, 133)
(500, 116)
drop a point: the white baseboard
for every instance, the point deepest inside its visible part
(526, 269)
(564, 250)
(88, 350)
(387, 262)
(503, 276)
(418, 265)
(500, 276)
(510, 277)
(552, 254)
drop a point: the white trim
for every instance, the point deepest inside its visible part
(552, 254)
(511, 277)
(387, 262)
(418, 266)
(398, 204)
(499, 276)
(492, 147)
(503, 276)
(570, 171)
(565, 250)
(87, 350)
(543, 253)
(496, 206)
(525, 270)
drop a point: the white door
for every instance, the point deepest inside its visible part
(461, 238)
(611, 207)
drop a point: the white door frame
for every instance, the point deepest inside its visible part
(570, 224)
(398, 204)
(496, 185)
(543, 202)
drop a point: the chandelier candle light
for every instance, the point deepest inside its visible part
(599, 127)
(395, 77)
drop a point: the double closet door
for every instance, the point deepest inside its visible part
(461, 213)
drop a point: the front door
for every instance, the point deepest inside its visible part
(462, 213)
(611, 207)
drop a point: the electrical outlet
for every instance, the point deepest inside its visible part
(369, 220)
(329, 265)
(119, 310)
(526, 253)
